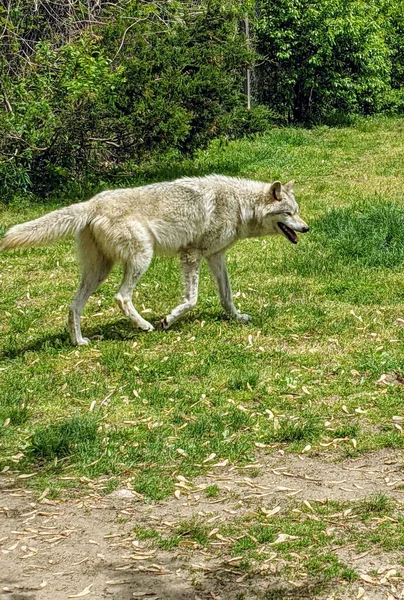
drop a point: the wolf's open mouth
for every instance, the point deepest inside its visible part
(288, 232)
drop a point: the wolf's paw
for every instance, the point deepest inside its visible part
(82, 342)
(148, 328)
(243, 318)
(164, 324)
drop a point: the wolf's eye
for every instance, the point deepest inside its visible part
(289, 214)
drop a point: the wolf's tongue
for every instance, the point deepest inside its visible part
(288, 232)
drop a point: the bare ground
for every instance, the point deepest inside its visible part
(59, 549)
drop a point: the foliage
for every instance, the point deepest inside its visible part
(393, 22)
(94, 92)
(328, 57)
(59, 440)
(144, 78)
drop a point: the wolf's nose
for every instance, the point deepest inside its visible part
(305, 229)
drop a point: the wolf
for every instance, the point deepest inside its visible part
(195, 217)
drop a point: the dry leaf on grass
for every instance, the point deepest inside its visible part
(44, 494)
(284, 537)
(85, 592)
(271, 513)
(188, 544)
(224, 463)
(368, 579)
(309, 506)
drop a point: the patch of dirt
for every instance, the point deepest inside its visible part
(87, 548)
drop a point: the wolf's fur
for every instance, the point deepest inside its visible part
(194, 217)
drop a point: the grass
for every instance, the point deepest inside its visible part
(375, 504)
(299, 545)
(327, 324)
(212, 491)
(69, 437)
(319, 368)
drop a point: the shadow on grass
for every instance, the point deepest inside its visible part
(58, 341)
(118, 330)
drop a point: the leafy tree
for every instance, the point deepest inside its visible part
(322, 57)
(88, 95)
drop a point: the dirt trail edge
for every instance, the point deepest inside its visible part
(91, 547)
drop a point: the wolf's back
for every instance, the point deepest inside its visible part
(49, 228)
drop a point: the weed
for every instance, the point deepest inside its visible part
(375, 504)
(212, 491)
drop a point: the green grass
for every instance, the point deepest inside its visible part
(299, 544)
(212, 491)
(69, 437)
(308, 548)
(327, 323)
(374, 505)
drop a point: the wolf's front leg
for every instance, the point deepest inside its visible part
(217, 266)
(190, 264)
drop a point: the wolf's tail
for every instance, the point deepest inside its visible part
(49, 228)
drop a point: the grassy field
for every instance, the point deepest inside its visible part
(319, 369)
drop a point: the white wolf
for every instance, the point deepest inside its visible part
(197, 217)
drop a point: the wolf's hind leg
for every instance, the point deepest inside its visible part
(132, 272)
(95, 268)
(190, 264)
(217, 266)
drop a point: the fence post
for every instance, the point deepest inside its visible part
(248, 71)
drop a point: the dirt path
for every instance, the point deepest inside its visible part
(54, 550)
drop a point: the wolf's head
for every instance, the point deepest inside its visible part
(282, 213)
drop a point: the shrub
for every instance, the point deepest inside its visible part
(322, 57)
(150, 78)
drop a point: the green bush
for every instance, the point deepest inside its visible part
(90, 93)
(151, 78)
(323, 58)
(393, 23)
(242, 122)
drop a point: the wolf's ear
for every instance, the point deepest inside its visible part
(276, 190)
(289, 185)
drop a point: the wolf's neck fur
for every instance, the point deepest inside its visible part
(253, 208)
